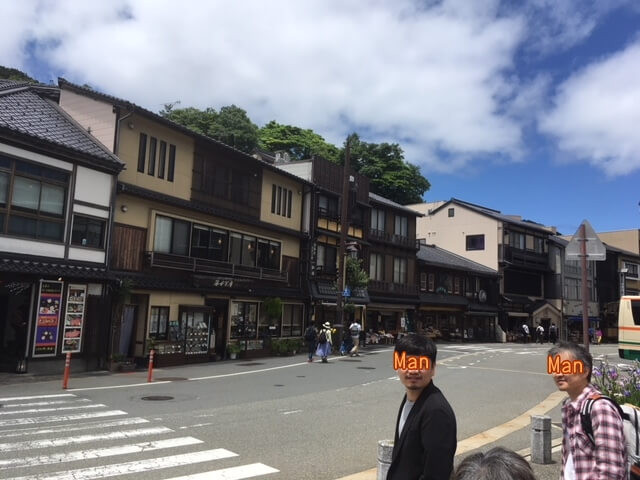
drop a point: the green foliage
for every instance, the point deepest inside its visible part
(390, 175)
(356, 276)
(234, 348)
(231, 125)
(272, 307)
(301, 144)
(349, 307)
(15, 74)
(285, 346)
(622, 386)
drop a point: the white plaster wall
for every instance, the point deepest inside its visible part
(299, 169)
(31, 247)
(450, 233)
(93, 187)
(86, 255)
(94, 212)
(93, 115)
(35, 157)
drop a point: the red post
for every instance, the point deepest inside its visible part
(150, 374)
(585, 287)
(67, 367)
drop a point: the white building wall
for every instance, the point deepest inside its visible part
(93, 186)
(96, 117)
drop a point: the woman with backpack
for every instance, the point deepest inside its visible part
(324, 342)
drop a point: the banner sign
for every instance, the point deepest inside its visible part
(48, 318)
(74, 318)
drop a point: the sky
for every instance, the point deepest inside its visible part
(530, 107)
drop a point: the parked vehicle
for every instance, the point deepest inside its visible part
(629, 327)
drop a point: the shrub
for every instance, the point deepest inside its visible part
(623, 385)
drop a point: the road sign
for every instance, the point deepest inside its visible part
(596, 250)
(347, 292)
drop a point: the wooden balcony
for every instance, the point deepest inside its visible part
(399, 240)
(392, 288)
(212, 267)
(524, 258)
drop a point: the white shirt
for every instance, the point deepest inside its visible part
(403, 416)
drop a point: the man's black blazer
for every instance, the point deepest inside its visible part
(426, 448)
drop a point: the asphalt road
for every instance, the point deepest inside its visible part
(276, 418)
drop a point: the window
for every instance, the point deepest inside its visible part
(244, 320)
(88, 232)
(159, 323)
(268, 254)
(539, 244)
(242, 249)
(326, 258)
(456, 285)
(281, 199)
(172, 162)
(289, 201)
(327, 206)
(431, 282)
(632, 270)
(208, 243)
(273, 198)
(475, 242)
(400, 270)
(162, 158)
(401, 226)
(376, 267)
(235, 248)
(36, 207)
(142, 152)
(153, 145)
(291, 320)
(377, 220)
(518, 240)
(171, 236)
(423, 281)
(451, 212)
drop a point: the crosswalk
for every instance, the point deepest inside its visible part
(64, 437)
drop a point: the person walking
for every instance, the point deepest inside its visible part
(311, 338)
(582, 459)
(553, 333)
(540, 333)
(525, 332)
(324, 342)
(354, 330)
(425, 435)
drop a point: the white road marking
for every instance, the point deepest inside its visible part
(292, 411)
(59, 418)
(146, 384)
(44, 404)
(98, 453)
(184, 427)
(57, 442)
(9, 399)
(54, 409)
(85, 426)
(133, 467)
(233, 473)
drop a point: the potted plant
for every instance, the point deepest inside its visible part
(234, 350)
(272, 308)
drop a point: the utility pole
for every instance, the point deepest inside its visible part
(344, 230)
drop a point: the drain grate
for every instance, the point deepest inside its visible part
(297, 376)
(171, 379)
(250, 364)
(157, 398)
(366, 368)
(278, 385)
(350, 360)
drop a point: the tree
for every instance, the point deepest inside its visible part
(15, 74)
(390, 175)
(231, 125)
(299, 143)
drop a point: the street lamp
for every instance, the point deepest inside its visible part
(623, 281)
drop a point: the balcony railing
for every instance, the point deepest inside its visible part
(395, 288)
(212, 267)
(525, 258)
(401, 240)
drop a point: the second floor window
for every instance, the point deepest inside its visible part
(401, 227)
(431, 282)
(88, 232)
(475, 242)
(172, 236)
(423, 281)
(377, 220)
(326, 258)
(327, 206)
(281, 199)
(400, 270)
(632, 270)
(376, 267)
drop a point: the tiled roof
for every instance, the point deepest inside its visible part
(391, 203)
(25, 112)
(56, 268)
(438, 256)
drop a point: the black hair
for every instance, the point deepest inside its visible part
(416, 344)
(497, 464)
(577, 351)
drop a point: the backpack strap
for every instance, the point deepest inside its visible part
(585, 414)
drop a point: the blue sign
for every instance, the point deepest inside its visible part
(347, 292)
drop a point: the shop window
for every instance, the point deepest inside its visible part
(244, 320)
(159, 324)
(195, 325)
(171, 236)
(88, 232)
(268, 327)
(291, 320)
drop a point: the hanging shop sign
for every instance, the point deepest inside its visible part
(74, 318)
(48, 319)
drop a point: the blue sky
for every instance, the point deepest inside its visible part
(528, 107)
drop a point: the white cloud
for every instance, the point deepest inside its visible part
(596, 113)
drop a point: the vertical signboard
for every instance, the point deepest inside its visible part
(48, 318)
(74, 318)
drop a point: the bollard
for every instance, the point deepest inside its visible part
(385, 450)
(540, 439)
(150, 374)
(67, 367)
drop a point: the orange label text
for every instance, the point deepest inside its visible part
(565, 367)
(411, 362)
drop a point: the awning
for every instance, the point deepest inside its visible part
(390, 306)
(481, 314)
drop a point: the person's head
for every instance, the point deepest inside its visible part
(414, 344)
(497, 464)
(572, 383)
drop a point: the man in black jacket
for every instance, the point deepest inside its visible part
(425, 438)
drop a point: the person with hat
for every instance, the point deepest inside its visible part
(324, 342)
